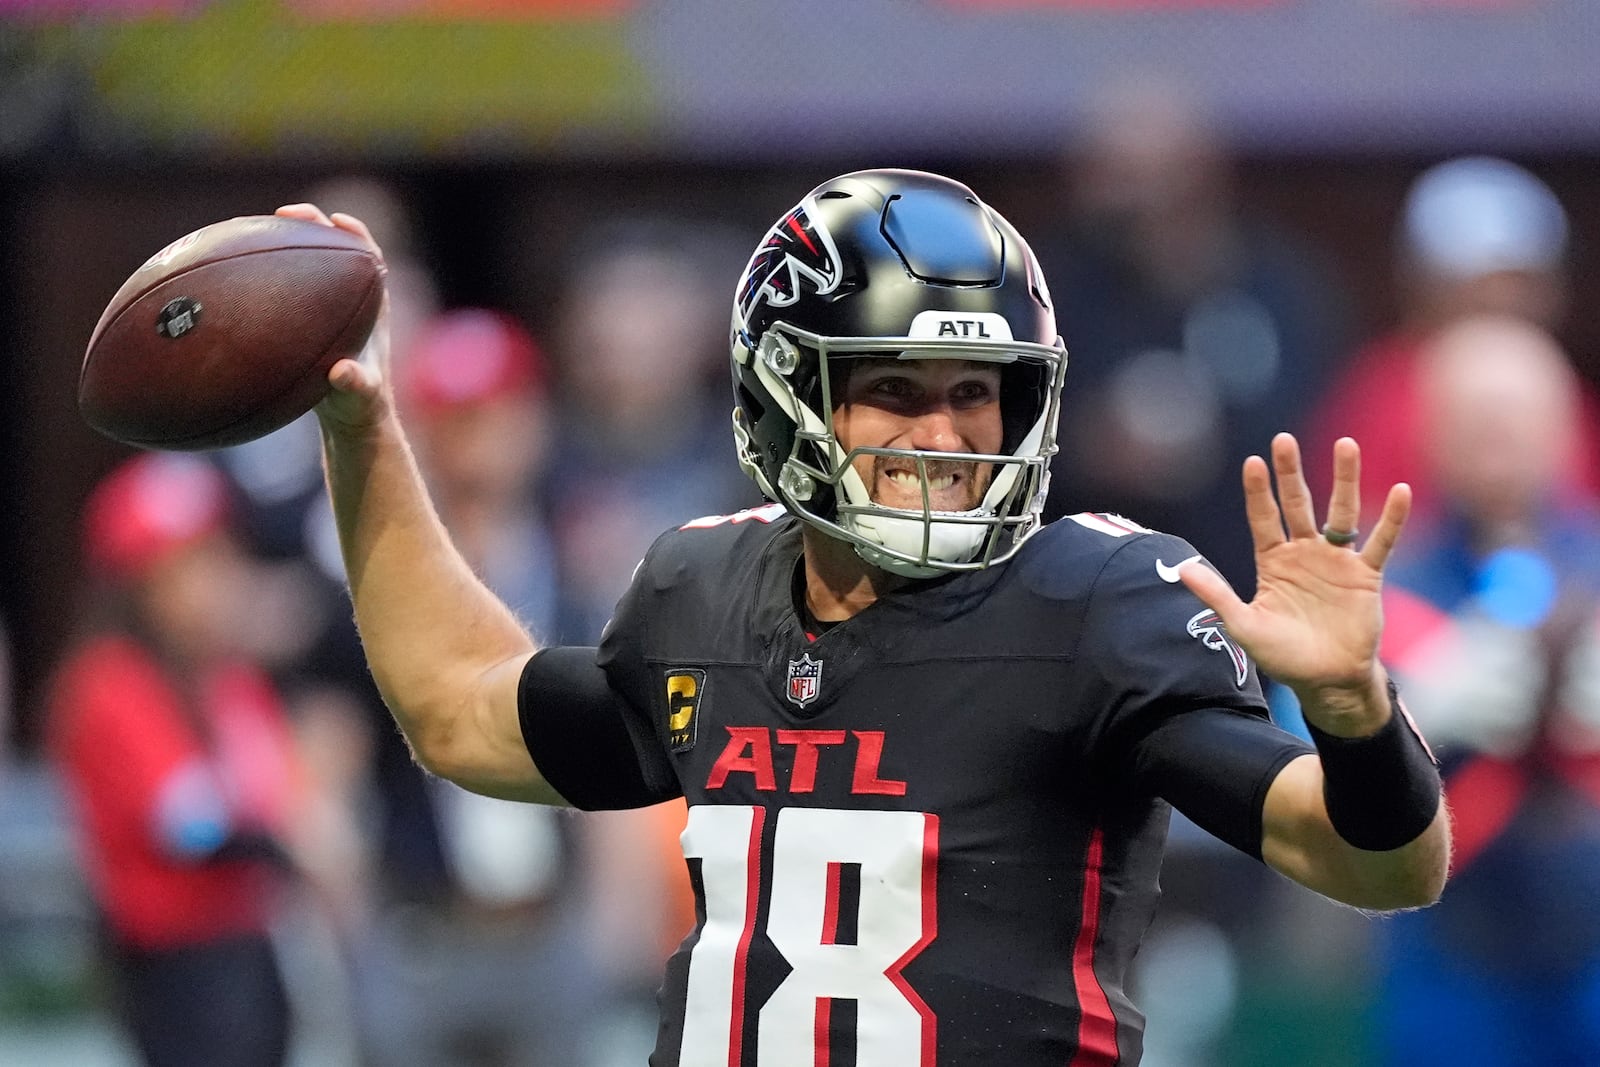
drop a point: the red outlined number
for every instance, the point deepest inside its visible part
(727, 842)
(892, 857)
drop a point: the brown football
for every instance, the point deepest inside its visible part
(228, 333)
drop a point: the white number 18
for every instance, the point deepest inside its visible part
(896, 854)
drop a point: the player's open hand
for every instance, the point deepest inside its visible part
(1316, 618)
(359, 397)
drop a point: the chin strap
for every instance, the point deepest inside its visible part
(900, 536)
(877, 557)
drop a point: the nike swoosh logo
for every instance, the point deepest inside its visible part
(1170, 574)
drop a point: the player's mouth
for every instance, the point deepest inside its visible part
(951, 486)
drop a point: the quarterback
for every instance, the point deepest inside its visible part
(929, 744)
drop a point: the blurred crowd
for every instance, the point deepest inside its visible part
(259, 856)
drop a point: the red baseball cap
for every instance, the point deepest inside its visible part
(151, 506)
(469, 356)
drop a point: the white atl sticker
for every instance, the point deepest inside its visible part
(960, 326)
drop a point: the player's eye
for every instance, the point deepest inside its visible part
(973, 393)
(893, 387)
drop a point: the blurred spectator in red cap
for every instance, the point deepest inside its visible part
(470, 356)
(474, 385)
(1477, 235)
(174, 749)
(448, 976)
(149, 508)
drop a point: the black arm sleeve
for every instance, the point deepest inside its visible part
(1215, 765)
(585, 738)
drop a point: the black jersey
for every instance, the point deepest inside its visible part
(931, 834)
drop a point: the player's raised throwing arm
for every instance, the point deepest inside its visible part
(1364, 820)
(445, 652)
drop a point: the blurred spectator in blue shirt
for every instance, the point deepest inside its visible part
(644, 442)
(1491, 630)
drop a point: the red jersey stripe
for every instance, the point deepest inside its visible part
(1097, 1027)
(823, 1029)
(741, 957)
(830, 906)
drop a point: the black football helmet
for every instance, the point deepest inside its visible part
(909, 265)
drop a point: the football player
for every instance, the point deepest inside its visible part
(929, 744)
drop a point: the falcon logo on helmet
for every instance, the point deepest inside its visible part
(902, 265)
(795, 250)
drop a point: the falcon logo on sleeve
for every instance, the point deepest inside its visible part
(1207, 628)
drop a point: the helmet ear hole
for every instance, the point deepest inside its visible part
(759, 448)
(754, 409)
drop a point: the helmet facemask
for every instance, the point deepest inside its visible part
(819, 482)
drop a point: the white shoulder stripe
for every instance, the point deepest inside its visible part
(764, 513)
(1111, 525)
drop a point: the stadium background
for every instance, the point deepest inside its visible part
(509, 126)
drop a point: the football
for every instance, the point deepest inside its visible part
(228, 333)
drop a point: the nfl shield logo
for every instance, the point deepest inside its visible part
(805, 676)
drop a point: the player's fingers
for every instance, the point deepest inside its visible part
(355, 226)
(350, 375)
(1213, 589)
(1260, 506)
(355, 398)
(1396, 509)
(308, 212)
(1294, 496)
(1344, 504)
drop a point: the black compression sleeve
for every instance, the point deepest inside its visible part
(1215, 766)
(585, 738)
(1382, 791)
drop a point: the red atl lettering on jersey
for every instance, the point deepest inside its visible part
(749, 751)
(806, 745)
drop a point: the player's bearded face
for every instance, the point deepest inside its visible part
(933, 405)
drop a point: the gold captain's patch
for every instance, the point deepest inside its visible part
(684, 689)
